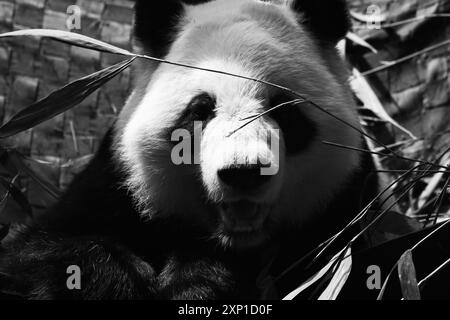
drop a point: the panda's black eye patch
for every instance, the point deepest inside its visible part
(201, 107)
(298, 130)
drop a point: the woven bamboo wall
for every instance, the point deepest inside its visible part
(31, 69)
(416, 91)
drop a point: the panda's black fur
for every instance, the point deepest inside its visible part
(123, 256)
(328, 18)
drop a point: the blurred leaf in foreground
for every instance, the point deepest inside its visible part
(70, 38)
(339, 266)
(17, 195)
(61, 100)
(340, 276)
(407, 277)
(23, 165)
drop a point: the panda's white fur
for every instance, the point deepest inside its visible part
(253, 39)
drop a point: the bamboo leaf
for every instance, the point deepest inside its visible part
(21, 164)
(383, 288)
(3, 202)
(407, 277)
(315, 278)
(70, 38)
(341, 274)
(17, 195)
(360, 41)
(61, 100)
(366, 94)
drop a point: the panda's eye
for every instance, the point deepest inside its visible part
(202, 107)
(298, 130)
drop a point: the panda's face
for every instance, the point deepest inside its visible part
(240, 185)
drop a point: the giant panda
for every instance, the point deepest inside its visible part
(140, 225)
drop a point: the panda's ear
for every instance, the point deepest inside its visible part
(328, 19)
(156, 20)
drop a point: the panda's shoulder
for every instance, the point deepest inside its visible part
(96, 198)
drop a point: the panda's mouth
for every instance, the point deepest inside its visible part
(242, 223)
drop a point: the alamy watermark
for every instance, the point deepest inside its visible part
(73, 21)
(375, 17)
(73, 282)
(374, 280)
(188, 151)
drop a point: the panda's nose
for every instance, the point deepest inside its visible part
(243, 176)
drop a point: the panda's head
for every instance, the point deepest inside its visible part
(177, 136)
